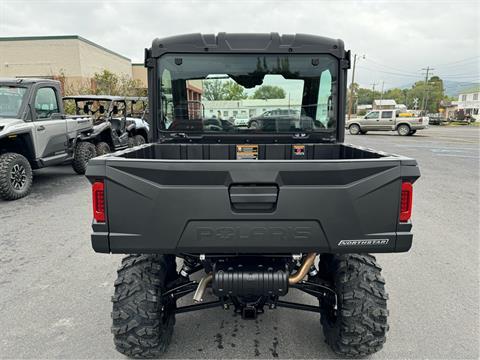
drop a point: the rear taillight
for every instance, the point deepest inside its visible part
(98, 194)
(406, 202)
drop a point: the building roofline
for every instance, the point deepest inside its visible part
(62, 37)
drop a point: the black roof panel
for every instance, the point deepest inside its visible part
(247, 43)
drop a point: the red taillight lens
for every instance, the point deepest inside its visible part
(406, 202)
(98, 194)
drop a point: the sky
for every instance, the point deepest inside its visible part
(394, 40)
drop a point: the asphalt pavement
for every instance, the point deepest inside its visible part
(55, 291)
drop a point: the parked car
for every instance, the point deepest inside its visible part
(282, 120)
(387, 120)
(252, 211)
(36, 133)
(241, 120)
(435, 119)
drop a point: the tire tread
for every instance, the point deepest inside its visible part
(361, 325)
(137, 307)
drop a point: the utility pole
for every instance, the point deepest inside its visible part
(373, 91)
(428, 95)
(427, 69)
(381, 95)
(350, 99)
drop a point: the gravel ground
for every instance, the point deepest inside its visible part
(55, 291)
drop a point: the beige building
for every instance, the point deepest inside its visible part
(139, 72)
(71, 56)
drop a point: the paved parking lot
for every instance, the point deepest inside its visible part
(55, 291)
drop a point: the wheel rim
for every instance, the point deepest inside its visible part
(404, 130)
(18, 176)
(354, 129)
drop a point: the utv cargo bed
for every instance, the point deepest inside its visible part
(242, 199)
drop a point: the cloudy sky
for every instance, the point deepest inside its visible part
(397, 38)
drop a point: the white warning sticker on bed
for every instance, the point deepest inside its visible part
(247, 152)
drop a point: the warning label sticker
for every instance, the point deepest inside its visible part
(247, 152)
(299, 150)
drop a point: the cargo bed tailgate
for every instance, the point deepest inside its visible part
(268, 206)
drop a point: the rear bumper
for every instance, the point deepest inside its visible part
(219, 237)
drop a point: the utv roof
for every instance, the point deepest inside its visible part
(94, 97)
(246, 43)
(18, 81)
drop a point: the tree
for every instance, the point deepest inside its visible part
(223, 90)
(109, 83)
(432, 93)
(233, 91)
(213, 90)
(269, 92)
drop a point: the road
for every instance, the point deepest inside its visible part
(55, 291)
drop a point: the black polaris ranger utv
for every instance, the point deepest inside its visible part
(257, 211)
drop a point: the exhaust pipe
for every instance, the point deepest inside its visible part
(302, 272)
(202, 285)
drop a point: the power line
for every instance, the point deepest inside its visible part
(390, 67)
(389, 72)
(458, 61)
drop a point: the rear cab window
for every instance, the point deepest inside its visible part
(387, 114)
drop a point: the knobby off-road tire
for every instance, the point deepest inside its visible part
(359, 325)
(102, 148)
(139, 140)
(15, 176)
(142, 320)
(84, 151)
(131, 141)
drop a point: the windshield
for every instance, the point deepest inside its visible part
(11, 99)
(248, 93)
(98, 109)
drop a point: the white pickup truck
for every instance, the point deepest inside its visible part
(385, 120)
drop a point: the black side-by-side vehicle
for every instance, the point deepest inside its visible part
(256, 211)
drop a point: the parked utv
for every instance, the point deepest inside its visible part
(35, 133)
(137, 120)
(109, 113)
(255, 213)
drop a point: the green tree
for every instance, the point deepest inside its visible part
(233, 91)
(213, 90)
(429, 94)
(269, 92)
(109, 83)
(223, 90)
